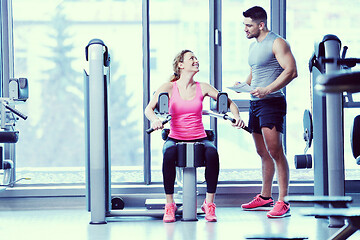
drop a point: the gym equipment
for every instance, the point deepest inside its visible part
(98, 175)
(98, 181)
(190, 156)
(355, 139)
(162, 109)
(18, 92)
(305, 160)
(333, 84)
(352, 215)
(339, 206)
(334, 201)
(219, 109)
(327, 114)
(276, 237)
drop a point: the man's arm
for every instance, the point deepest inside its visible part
(248, 79)
(284, 56)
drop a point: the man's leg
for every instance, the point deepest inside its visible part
(263, 201)
(273, 142)
(268, 167)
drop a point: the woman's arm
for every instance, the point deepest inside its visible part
(156, 123)
(212, 92)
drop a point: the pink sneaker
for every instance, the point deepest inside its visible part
(170, 209)
(281, 209)
(258, 204)
(209, 210)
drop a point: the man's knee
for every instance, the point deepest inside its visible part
(276, 153)
(263, 152)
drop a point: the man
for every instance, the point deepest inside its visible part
(272, 68)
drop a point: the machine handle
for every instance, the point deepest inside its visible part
(23, 116)
(150, 130)
(226, 117)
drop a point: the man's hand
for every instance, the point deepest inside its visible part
(260, 92)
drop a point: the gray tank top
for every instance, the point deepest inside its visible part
(264, 66)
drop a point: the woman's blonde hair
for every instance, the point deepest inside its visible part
(178, 58)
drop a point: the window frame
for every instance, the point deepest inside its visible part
(278, 20)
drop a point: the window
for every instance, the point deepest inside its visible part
(238, 158)
(174, 26)
(49, 43)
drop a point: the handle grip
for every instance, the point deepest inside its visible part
(150, 130)
(23, 116)
(226, 117)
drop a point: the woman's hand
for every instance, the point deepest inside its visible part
(239, 123)
(157, 124)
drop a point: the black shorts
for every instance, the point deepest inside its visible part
(268, 113)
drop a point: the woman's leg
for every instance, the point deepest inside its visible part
(168, 169)
(212, 168)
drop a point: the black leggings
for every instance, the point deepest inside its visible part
(170, 157)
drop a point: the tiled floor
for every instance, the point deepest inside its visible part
(233, 223)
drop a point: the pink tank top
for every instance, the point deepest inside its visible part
(186, 116)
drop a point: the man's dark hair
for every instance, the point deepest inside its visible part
(256, 13)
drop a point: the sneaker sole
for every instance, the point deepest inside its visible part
(281, 216)
(258, 209)
(211, 220)
(169, 221)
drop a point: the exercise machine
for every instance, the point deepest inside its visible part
(325, 125)
(98, 174)
(9, 115)
(332, 84)
(190, 155)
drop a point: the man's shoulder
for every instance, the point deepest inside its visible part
(275, 36)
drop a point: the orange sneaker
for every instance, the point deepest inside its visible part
(281, 209)
(209, 210)
(170, 209)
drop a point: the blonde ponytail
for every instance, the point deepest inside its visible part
(178, 58)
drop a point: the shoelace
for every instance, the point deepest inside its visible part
(279, 207)
(169, 210)
(211, 209)
(256, 199)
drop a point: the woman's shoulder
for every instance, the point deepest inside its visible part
(204, 85)
(167, 86)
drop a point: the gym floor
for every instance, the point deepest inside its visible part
(233, 223)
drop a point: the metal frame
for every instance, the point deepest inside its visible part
(7, 67)
(7, 53)
(215, 43)
(278, 25)
(146, 82)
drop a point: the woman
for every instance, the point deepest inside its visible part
(185, 107)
